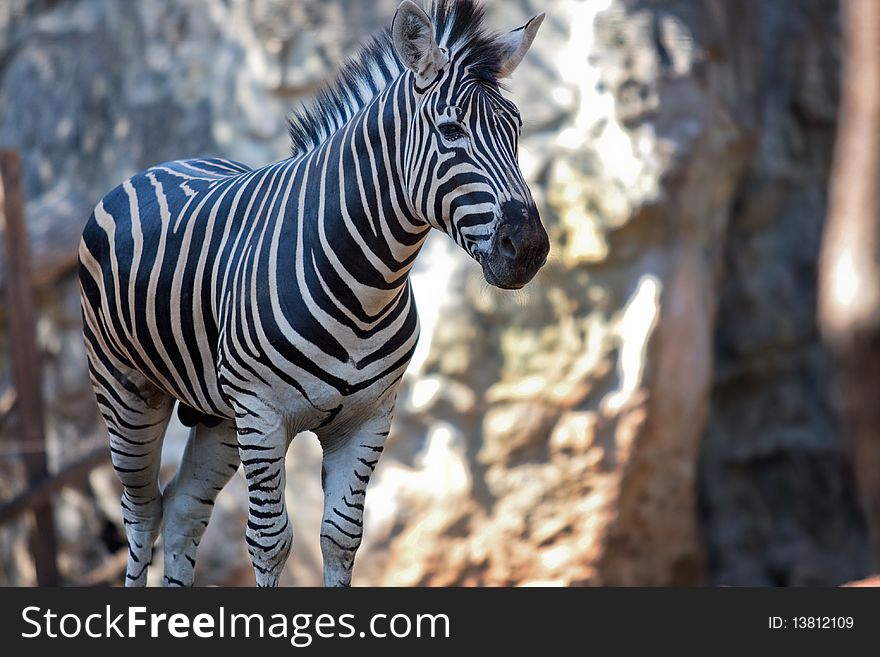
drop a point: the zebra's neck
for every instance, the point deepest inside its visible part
(365, 222)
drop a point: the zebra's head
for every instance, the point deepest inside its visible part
(460, 166)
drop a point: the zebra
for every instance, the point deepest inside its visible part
(268, 302)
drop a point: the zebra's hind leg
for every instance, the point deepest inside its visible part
(136, 413)
(345, 473)
(209, 461)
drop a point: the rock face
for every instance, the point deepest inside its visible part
(651, 410)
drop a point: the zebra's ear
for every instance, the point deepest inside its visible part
(413, 35)
(514, 45)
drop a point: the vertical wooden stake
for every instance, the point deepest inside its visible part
(25, 357)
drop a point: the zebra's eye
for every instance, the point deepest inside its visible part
(451, 131)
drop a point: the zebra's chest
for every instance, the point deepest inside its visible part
(309, 355)
(313, 388)
(310, 402)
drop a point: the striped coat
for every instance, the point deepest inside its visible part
(273, 301)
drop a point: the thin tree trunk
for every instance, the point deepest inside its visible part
(849, 295)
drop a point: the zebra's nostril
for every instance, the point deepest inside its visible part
(506, 247)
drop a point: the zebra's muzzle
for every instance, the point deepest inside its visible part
(519, 247)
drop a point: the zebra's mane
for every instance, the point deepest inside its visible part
(459, 27)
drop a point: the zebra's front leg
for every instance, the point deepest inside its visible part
(209, 461)
(262, 446)
(346, 471)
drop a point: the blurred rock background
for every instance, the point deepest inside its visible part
(653, 409)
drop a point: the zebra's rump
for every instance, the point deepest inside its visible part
(147, 304)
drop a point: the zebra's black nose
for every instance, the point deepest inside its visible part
(521, 239)
(519, 247)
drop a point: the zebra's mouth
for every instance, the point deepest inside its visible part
(506, 273)
(502, 280)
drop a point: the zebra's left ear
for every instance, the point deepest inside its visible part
(413, 35)
(514, 45)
